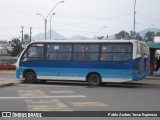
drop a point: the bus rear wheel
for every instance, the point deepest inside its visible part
(30, 77)
(94, 80)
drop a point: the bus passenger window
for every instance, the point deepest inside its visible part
(34, 52)
(86, 52)
(59, 51)
(115, 52)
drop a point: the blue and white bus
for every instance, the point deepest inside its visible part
(93, 61)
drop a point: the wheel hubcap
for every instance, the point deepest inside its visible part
(30, 77)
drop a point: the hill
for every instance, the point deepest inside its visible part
(143, 32)
(78, 37)
(54, 35)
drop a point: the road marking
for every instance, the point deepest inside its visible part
(38, 100)
(89, 104)
(44, 85)
(50, 109)
(46, 105)
(31, 93)
(45, 97)
(64, 91)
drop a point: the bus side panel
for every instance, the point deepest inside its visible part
(138, 68)
(18, 73)
(78, 70)
(35, 65)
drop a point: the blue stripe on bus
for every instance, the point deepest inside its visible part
(124, 69)
(82, 72)
(76, 64)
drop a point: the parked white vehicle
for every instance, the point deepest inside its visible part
(157, 73)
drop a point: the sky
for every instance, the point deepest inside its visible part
(77, 17)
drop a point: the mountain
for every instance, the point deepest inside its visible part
(143, 32)
(78, 37)
(54, 35)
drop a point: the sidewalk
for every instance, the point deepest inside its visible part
(152, 78)
(7, 78)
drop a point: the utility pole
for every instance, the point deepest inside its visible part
(51, 26)
(134, 23)
(30, 34)
(22, 34)
(45, 18)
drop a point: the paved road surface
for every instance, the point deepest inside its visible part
(64, 96)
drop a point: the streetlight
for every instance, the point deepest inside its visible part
(134, 23)
(99, 31)
(45, 24)
(45, 18)
(51, 25)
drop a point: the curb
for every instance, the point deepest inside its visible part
(6, 70)
(152, 78)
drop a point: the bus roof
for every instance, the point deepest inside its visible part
(84, 41)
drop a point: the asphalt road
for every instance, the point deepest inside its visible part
(73, 96)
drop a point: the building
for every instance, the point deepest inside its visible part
(154, 53)
(4, 55)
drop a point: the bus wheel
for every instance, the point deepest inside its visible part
(30, 77)
(94, 80)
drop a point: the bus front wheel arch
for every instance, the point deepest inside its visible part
(30, 77)
(94, 79)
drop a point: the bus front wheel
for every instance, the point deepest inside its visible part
(94, 80)
(30, 77)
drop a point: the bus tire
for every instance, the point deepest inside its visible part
(30, 77)
(94, 79)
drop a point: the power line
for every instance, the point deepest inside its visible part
(78, 23)
(148, 17)
(63, 24)
(96, 20)
(17, 17)
(143, 24)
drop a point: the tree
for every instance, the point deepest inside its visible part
(138, 37)
(126, 35)
(100, 37)
(149, 36)
(122, 35)
(158, 34)
(17, 47)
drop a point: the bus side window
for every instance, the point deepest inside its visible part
(86, 52)
(59, 51)
(115, 52)
(103, 54)
(34, 52)
(50, 50)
